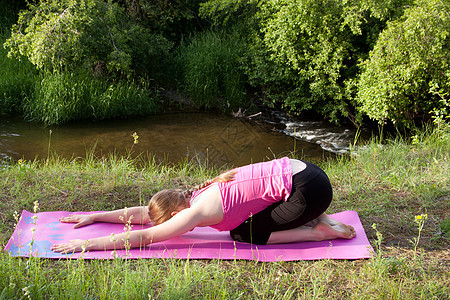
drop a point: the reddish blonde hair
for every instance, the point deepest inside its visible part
(164, 202)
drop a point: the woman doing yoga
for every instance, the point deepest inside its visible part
(280, 201)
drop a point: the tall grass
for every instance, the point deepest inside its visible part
(17, 78)
(212, 75)
(400, 166)
(63, 97)
(55, 98)
(388, 185)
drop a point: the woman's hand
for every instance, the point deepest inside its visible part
(81, 220)
(70, 247)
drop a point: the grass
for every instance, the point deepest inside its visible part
(212, 72)
(60, 98)
(56, 98)
(17, 78)
(388, 185)
(396, 178)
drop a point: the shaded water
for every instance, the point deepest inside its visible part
(209, 138)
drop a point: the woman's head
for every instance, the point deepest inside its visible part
(164, 203)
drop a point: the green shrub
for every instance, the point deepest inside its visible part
(66, 34)
(171, 18)
(212, 73)
(62, 97)
(411, 55)
(305, 54)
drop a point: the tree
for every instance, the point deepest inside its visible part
(410, 56)
(305, 54)
(65, 34)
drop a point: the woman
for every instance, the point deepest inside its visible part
(279, 201)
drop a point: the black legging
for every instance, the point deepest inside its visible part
(310, 196)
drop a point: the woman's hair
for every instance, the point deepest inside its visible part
(164, 202)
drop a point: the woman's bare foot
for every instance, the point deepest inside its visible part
(326, 231)
(335, 229)
(319, 229)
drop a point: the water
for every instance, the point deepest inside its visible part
(208, 138)
(334, 139)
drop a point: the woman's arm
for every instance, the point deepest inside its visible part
(138, 215)
(134, 215)
(182, 222)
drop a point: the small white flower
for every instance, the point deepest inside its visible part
(16, 216)
(36, 206)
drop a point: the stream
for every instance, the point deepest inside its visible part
(207, 137)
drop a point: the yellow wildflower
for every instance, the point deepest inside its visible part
(136, 137)
(421, 217)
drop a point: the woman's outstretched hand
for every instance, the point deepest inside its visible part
(80, 220)
(70, 247)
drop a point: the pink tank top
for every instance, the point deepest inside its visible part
(254, 188)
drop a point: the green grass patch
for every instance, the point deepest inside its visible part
(17, 78)
(63, 97)
(388, 185)
(211, 70)
(17, 81)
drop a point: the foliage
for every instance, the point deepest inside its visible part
(411, 55)
(386, 59)
(212, 74)
(16, 78)
(64, 34)
(63, 97)
(226, 12)
(304, 54)
(17, 81)
(8, 15)
(375, 182)
(171, 18)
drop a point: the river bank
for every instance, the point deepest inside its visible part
(107, 69)
(388, 185)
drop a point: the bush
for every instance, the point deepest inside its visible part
(304, 54)
(60, 35)
(410, 56)
(171, 18)
(212, 73)
(63, 97)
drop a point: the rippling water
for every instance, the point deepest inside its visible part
(335, 139)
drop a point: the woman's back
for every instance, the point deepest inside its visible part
(253, 188)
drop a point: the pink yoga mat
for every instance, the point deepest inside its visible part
(201, 243)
